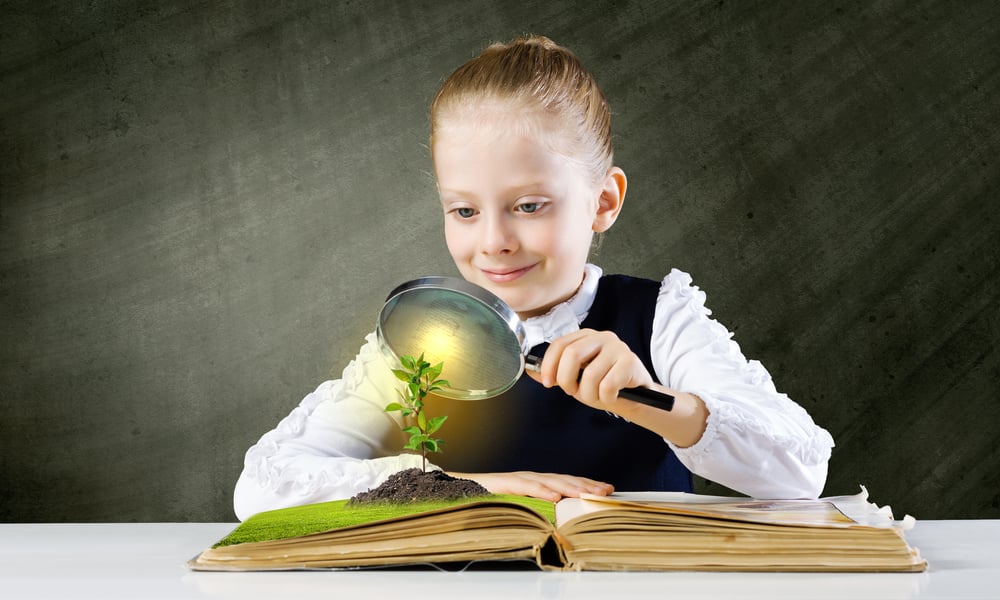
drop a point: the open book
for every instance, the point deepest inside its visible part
(632, 531)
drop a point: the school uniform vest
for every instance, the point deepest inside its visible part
(531, 428)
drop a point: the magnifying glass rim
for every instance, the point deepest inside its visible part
(478, 293)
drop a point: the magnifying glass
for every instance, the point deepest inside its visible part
(477, 336)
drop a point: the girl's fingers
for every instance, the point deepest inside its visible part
(595, 379)
(573, 354)
(554, 360)
(592, 366)
(547, 486)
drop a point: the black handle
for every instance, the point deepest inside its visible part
(636, 394)
(648, 397)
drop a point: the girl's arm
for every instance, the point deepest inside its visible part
(755, 440)
(338, 442)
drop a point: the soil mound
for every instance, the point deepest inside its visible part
(411, 485)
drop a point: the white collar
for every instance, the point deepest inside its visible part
(565, 317)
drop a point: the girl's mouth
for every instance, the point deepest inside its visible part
(506, 275)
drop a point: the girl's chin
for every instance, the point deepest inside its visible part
(525, 305)
(526, 311)
(518, 305)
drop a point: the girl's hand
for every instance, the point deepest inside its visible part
(593, 366)
(547, 486)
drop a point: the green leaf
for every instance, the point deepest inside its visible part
(401, 375)
(412, 430)
(394, 406)
(408, 363)
(422, 421)
(433, 372)
(430, 445)
(414, 389)
(416, 442)
(435, 423)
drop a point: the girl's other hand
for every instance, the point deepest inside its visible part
(547, 486)
(593, 366)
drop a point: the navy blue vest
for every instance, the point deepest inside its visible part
(532, 428)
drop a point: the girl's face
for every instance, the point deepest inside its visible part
(519, 217)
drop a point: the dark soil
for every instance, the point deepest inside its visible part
(413, 485)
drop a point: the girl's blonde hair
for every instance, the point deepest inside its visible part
(533, 72)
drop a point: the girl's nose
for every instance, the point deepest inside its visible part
(498, 237)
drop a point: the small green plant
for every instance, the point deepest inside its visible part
(421, 379)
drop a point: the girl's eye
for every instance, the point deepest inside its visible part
(529, 207)
(465, 212)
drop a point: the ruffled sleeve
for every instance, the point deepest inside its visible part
(757, 440)
(337, 442)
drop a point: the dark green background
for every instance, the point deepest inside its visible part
(204, 203)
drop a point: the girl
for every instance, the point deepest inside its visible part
(521, 146)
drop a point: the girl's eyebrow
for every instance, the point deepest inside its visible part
(538, 187)
(447, 196)
(443, 191)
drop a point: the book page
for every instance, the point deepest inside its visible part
(570, 508)
(840, 511)
(864, 512)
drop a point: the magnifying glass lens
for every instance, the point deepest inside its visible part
(481, 356)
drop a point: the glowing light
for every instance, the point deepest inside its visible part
(438, 343)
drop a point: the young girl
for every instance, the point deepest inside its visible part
(521, 146)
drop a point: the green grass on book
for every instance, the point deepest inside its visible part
(297, 521)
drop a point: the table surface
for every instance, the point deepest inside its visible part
(148, 560)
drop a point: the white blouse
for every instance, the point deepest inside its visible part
(339, 440)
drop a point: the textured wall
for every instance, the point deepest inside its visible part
(202, 205)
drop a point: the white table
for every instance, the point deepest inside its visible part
(147, 560)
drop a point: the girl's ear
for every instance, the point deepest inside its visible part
(609, 203)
